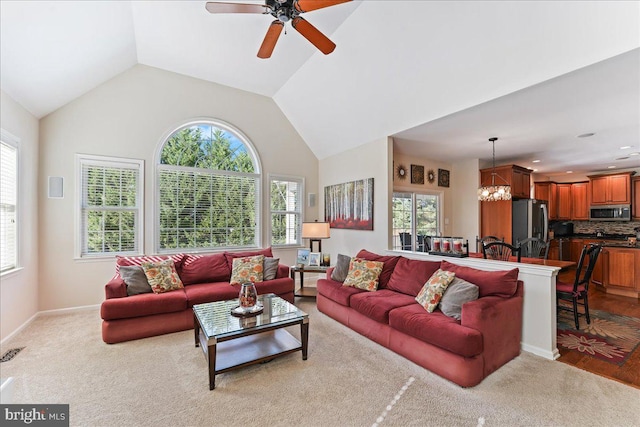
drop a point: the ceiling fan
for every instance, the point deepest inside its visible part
(284, 11)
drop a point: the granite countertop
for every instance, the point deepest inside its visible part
(607, 240)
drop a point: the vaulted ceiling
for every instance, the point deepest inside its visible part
(441, 77)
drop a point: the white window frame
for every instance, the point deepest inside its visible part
(413, 230)
(251, 150)
(108, 162)
(12, 141)
(300, 214)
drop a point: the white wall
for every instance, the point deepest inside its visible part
(19, 290)
(372, 160)
(447, 223)
(465, 179)
(127, 117)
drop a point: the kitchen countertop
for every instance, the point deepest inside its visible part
(607, 240)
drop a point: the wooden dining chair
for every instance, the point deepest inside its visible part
(577, 292)
(480, 241)
(500, 251)
(534, 247)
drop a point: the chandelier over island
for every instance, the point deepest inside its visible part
(494, 192)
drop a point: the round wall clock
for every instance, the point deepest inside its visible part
(431, 176)
(401, 172)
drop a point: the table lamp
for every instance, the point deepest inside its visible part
(315, 232)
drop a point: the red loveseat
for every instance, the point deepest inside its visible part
(205, 278)
(464, 351)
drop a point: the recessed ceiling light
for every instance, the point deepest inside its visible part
(586, 135)
(536, 161)
(635, 153)
(535, 170)
(611, 167)
(625, 147)
(569, 171)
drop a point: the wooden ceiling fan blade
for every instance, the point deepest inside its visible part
(314, 35)
(270, 39)
(308, 5)
(219, 7)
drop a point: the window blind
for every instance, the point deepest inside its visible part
(8, 203)
(200, 209)
(110, 207)
(286, 210)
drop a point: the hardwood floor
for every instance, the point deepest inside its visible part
(629, 373)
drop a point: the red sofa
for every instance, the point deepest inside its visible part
(205, 278)
(464, 351)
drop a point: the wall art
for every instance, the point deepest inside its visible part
(349, 205)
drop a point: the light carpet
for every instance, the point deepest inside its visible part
(346, 381)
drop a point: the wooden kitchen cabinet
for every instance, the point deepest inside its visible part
(554, 249)
(610, 189)
(564, 201)
(579, 201)
(575, 246)
(517, 177)
(618, 271)
(547, 190)
(635, 208)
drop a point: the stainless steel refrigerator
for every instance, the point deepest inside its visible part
(530, 219)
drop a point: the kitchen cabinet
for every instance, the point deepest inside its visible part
(579, 201)
(554, 249)
(610, 189)
(517, 177)
(618, 271)
(576, 249)
(547, 190)
(564, 201)
(635, 208)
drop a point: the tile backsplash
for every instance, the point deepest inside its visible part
(609, 227)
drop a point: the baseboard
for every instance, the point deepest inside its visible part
(47, 313)
(19, 329)
(551, 355)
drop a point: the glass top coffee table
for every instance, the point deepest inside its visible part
(231, 342)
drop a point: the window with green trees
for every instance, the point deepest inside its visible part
(110, 205)
(286, 198)
(208, 184)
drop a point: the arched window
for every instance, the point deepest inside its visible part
(208, 184)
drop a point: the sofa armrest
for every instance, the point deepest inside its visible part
(283, 271)
(500, 322)
(115, 288)
(329, 271)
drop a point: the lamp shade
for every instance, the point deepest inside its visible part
(315, 230)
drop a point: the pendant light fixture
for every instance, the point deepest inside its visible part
(494, 192)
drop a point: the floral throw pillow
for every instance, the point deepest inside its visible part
(247, 269)
(363, 274)
(431, 293)
(162, 276)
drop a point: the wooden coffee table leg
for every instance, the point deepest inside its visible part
(196, 328)
(304, 335)
(211, 355)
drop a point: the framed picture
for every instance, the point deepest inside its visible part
(349, 205)
(303, 257)
(443, 178)
(417, 174)
(314, 259)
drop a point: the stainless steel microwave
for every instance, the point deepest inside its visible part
(610, 213)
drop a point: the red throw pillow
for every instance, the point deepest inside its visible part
(498, 283)
(138, 260)
(231, 255)
(389, 264)
(204, 269)
(410, 275)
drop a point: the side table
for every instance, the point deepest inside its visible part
(302, 291)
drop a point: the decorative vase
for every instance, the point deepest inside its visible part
(248, 296)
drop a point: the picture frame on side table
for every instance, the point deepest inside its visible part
(303, 257)
(314, 259)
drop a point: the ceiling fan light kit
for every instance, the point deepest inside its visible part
(494, 192)
(284, 11)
